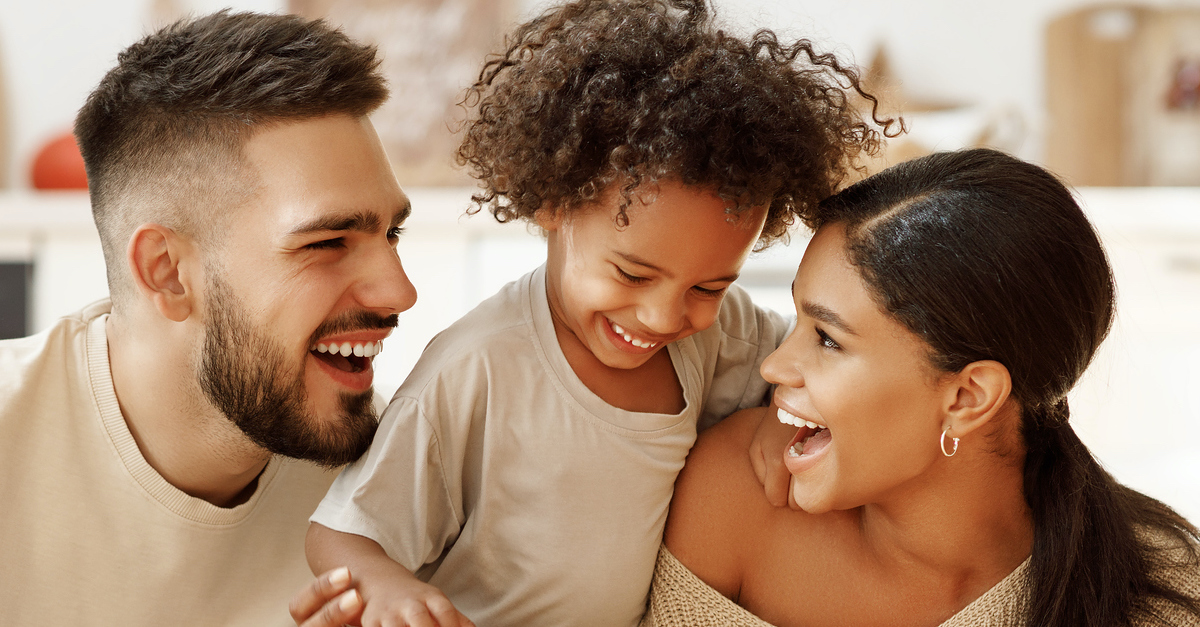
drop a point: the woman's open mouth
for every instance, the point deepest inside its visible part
(810, 439)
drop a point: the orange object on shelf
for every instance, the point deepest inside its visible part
(58, 165)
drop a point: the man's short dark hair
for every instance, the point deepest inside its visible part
(162, 134)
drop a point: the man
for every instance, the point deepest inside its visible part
(249, 218)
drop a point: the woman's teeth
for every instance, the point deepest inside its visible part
(797, 449)
(796, 421)
(346, 349)
(632, 340)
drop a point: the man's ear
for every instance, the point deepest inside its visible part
(974, 396)
(162, 264)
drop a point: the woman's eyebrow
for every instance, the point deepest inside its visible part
(826, 315)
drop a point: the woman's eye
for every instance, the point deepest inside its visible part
(826, 341)
(629, 277)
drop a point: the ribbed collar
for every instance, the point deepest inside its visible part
(170, 497)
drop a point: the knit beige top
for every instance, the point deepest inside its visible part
(678, 598)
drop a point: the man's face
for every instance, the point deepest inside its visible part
(304, 289)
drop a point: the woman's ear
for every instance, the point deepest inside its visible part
(975, 395)
(161, 262)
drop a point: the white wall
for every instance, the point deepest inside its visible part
(53, 52)
(988, 53)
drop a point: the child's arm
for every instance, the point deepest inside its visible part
(389, 591)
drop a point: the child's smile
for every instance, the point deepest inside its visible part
(625, 292)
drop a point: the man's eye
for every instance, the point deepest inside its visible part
(826, 341)
(326, 244)
(395, 232)
(631, 278)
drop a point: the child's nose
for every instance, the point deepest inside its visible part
(665, 314)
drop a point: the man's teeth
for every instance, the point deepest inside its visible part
(796, 421)
(346, 349)
(632, 340)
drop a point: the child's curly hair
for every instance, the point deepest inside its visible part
(596, 92)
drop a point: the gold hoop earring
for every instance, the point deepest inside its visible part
(942, 443)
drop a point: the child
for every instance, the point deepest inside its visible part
(524, 468)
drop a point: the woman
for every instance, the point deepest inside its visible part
(945, 308)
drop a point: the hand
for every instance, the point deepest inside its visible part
(766, 456)
(327, 602)
(406, 601)
(390, 594)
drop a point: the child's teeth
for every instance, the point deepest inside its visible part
(796, 450)
(616, 327)
(628, 337)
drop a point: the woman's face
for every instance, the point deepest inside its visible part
(862, 378)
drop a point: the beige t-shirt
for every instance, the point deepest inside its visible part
(501, 479)
(90, 534)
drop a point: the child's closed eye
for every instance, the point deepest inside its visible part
(710, 291)
(634, 279)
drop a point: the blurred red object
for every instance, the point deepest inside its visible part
(59, 165)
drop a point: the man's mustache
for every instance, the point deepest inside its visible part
(354, 321)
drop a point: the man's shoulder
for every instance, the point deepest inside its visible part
(58, 350)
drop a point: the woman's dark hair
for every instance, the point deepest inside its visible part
(598, 92)
(988, 257)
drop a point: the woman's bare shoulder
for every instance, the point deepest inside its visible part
(718, 502)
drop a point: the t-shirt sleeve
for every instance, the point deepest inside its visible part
(400, 493)
(734, 348)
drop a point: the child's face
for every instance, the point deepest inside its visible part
(626, 292)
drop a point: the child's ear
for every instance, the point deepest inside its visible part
(549, 218)
(974, 396)
(162, 264)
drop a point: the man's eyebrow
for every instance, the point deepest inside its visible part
(403, 214)
(634, 259)
(363, 221)
(826, 315)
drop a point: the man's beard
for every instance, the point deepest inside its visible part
(245, 375)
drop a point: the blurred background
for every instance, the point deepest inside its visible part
(1105, 95)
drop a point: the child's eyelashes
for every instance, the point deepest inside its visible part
(704, 291)
(630, 277)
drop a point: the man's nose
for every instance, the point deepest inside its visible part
(385, 285)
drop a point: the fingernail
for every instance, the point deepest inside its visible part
(340, 577)
(349, 601)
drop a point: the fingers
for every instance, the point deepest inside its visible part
(757, 461)
(320, 594)
(343, 609)
(445, 613)
(778, 483)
